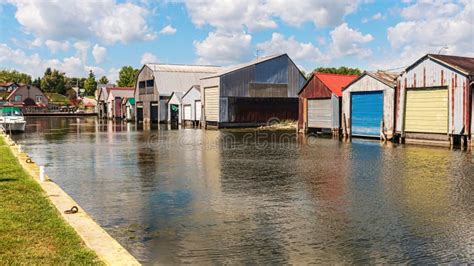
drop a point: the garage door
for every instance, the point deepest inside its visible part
(198, 111)
(211, 104)
(367, 113)
(187, 112)
(319, 113)
(427, 111)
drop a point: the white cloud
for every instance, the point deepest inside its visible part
(113, 74)
(99, 53)
(377, 16)
(262, 14)
(168, 30)
(296, 50)
(224, 49)
(82, 48)
(148, 58)
(68, 19)
(347, 42)
(55, 46)
(427, 27)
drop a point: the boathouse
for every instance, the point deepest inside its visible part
(174, 108)
(320, 102)
(435, 100)
(156, 83)
(27, 96)
(128, 109)
(368, 105)
(114, 101)
(263, 90)
(102, 93)
(191, 104)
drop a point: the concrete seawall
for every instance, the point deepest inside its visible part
(94, 236)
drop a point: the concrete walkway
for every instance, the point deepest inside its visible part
(94, 236)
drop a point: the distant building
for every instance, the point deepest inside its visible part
(8, 86)
(320, 102)
(174, 108)
(114, 101)
(156, 83)
(27, 96)
(102, 93)
(191, 106)
(128, 109)
(252, 93)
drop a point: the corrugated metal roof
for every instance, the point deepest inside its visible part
(183, 68)
(464, 64)
(121, 92)
(240, 66)
(389, 78)
(335, 82)
(170, 78)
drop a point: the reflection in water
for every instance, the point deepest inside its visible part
(194, 196)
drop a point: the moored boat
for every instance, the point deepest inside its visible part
(12, 119)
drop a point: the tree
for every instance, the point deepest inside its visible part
(103, 80)
(90, 85)
(127, 76)
(14, 76)
(74, 82)
(340, 70)
(37, 82)
(53, 81)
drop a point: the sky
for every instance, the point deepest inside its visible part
(103, 36)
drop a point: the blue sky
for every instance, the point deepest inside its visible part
(75, 36)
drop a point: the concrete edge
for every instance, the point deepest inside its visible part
(93, 235)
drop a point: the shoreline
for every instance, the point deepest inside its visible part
(92, 234)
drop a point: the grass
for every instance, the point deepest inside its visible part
(31, 229)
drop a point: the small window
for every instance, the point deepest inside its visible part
(17, 98)
(141, 84)
(39, 98)
(150, 83)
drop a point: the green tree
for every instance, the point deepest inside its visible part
(53, 81)
(37, 82)
(14, 76)
(127, 76)
(340, 70)
(103, 80)
(90, 84)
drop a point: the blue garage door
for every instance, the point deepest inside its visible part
(367, 113)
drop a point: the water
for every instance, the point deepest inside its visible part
(196, 196)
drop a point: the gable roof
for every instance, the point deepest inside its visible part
(196, 87)
(335, 82)
(155, 67)
(120, 92)
(387, 78)
(178, 94)
(464, 65)
(244, 65)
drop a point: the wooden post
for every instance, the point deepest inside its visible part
(344, 128)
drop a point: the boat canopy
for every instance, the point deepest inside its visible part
(10, 111)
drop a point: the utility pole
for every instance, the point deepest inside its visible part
(257, 52)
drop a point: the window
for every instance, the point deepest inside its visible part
(150, 83)
(17, 98)
(39, 98)
(141, 84)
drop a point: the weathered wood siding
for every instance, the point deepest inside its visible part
(429, 74)
(314, 89)
(28, 91)
(368, 83)
(145, 97)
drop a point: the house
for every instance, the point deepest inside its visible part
(191, 106)
(102, 93)
(128, 109)
(174, 107)
(434, 100)
(8, 86)
(156, 83)
(114, 101)
(27, 96)
(254, 93)
(368, 105)
(320, 102)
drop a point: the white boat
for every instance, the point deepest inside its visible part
(12, 119)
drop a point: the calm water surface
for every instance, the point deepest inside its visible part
(195, 196)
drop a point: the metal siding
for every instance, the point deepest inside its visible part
(190, 99)
(320, 113)
(295, 79)
(272, 71)
(335, 112)
(367, 84)
(435, 75)
(211, 104)
(367, 113)
(427, 111)
(314, 89)
(197, 107)
(236, 84)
